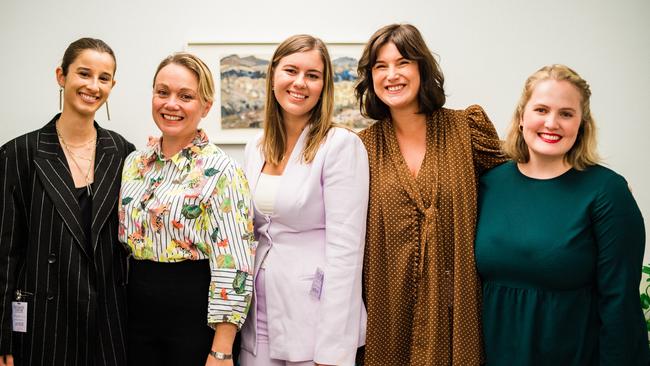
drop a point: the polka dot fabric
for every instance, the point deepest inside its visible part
(420, 283)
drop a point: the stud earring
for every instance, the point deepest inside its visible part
(108, 113)
(60, 98)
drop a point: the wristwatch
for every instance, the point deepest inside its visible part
(221, 355)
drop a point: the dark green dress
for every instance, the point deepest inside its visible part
(560, 261)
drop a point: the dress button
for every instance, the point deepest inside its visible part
(51, 259)
(50, 297)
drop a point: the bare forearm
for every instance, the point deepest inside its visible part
(224, 336)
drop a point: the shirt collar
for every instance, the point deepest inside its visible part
(153, 152)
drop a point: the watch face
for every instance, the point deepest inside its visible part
(221, 355)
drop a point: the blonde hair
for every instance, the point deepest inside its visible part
(198, 67)
(583, 152)
(274, 139)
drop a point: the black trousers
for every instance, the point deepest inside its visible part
(168, 307)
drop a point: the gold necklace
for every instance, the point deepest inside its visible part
(74, 157)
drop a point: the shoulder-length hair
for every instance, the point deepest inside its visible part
(274, 139)
(411, 45)
(583, 152)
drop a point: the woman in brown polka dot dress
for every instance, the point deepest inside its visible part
(420, 283)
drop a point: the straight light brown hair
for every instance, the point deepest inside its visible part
(274, 139)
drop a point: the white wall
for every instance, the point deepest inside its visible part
(487, 50)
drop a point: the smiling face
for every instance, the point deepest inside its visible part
(298, 83)
(88, 83)
(176, 105)
(551, 121)
(396, 80)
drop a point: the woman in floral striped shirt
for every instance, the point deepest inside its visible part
(186, 216)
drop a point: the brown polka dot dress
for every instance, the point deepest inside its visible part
(420, 283)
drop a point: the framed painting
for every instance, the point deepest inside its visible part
(240, 70)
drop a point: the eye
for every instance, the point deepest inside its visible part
(313, 76)
(84, 74)
(186, 97)
(566, 114)
(162, 93)
(404, 62)
(540, 110)
(290, 70)
(105, 78)
(379, 66)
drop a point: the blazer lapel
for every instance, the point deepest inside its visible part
(108, 164)
(54, 174)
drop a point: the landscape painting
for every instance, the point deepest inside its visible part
(240, 76)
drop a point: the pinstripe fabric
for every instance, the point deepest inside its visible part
(76, 300)
(193, 205)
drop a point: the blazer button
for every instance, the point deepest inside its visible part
(50, 297)
(51, 259)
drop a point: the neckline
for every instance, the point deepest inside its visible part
(533, 179)
(273, 176)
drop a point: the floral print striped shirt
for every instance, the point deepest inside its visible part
(193, 205)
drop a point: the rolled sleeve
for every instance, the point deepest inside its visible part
(230, 234)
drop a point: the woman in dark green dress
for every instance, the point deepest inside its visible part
(560, 239)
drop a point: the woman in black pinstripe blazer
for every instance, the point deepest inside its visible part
(62, 269)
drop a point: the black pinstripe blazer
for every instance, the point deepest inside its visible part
(76, 300)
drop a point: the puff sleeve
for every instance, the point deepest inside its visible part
(486, 146)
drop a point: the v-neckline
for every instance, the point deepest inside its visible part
(407, 180)
(392, 134)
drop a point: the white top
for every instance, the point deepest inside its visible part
(265, 192)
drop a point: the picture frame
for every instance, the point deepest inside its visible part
(239, 71)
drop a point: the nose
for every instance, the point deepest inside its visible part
(93, 84)
(171, 103)
(299, 82)
(551, 121)
(392, 72)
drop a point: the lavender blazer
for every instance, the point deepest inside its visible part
(319, 222)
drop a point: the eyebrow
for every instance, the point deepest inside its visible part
(400, 58)
(546, 106)
(296, 67)
(183, 90)
(83, 68)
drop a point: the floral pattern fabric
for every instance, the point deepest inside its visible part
(194, 205)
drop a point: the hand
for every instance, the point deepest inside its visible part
(6, 360)
(211, 361)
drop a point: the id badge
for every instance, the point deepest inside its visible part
(19, 316)
(317, 284)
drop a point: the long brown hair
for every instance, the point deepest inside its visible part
(274, 139)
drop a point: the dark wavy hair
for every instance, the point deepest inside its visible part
(411, 45)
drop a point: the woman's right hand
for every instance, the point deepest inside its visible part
(6, 360)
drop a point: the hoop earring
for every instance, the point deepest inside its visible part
(108, 113)
(60, 98)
